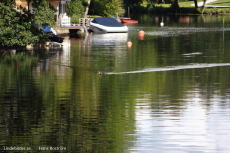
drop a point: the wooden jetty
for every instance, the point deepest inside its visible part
(83, 26)
(72, 27)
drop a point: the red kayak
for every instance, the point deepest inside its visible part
(129, 21)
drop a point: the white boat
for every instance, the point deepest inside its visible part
(107, 25)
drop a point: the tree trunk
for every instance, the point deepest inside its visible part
(87, 9)
(203, 7)
(196, 5)
(175, 5)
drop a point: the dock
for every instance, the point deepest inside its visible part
(83, 26)
(73, 27)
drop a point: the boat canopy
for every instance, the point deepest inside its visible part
(106, 21)
(47, 29)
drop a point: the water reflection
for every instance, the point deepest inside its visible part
(109, 39)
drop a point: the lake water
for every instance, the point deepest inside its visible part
(167, 93)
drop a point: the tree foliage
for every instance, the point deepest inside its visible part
(15, 29)
(105, 7)
(43, 12)
(19, 28)
(75, 7)
(131, 3)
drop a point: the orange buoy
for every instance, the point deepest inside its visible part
(129, 44)
(141, 32)
(141, 35)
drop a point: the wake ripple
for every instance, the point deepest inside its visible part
(172, 68)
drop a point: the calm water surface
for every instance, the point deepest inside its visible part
(169, 92)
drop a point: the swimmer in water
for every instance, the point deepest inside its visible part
(100, 73)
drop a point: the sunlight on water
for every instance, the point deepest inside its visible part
(193, 129)
(172, 31)
(108, 38)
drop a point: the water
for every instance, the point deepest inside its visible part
(169, 92)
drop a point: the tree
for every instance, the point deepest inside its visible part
(15, 28)
(175, 5)
(19, 28)
(195, 3)
(105, 7)
(203, 7)
(75, 10)
(131, 3)
(75, 7)
(87, 8)
(43, 12)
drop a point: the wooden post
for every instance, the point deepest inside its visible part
(128, 13)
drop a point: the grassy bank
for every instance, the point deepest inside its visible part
(220, 3)
(189, 4)
(187, 8)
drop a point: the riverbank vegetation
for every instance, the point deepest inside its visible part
(120, 7)
(188, 7)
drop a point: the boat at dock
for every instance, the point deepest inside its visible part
(107, 25)
(128, 21)
(53, 37)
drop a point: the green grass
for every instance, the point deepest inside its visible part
(182, 4)
(189, 3)
(187, 8)
(220, 3)
(216, 3)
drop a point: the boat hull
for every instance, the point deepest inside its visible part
(56, 38)
(129, 21)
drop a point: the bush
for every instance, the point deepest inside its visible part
(75, 19)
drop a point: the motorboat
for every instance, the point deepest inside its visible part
(107, 25)
(128, 21)
(53, 34)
